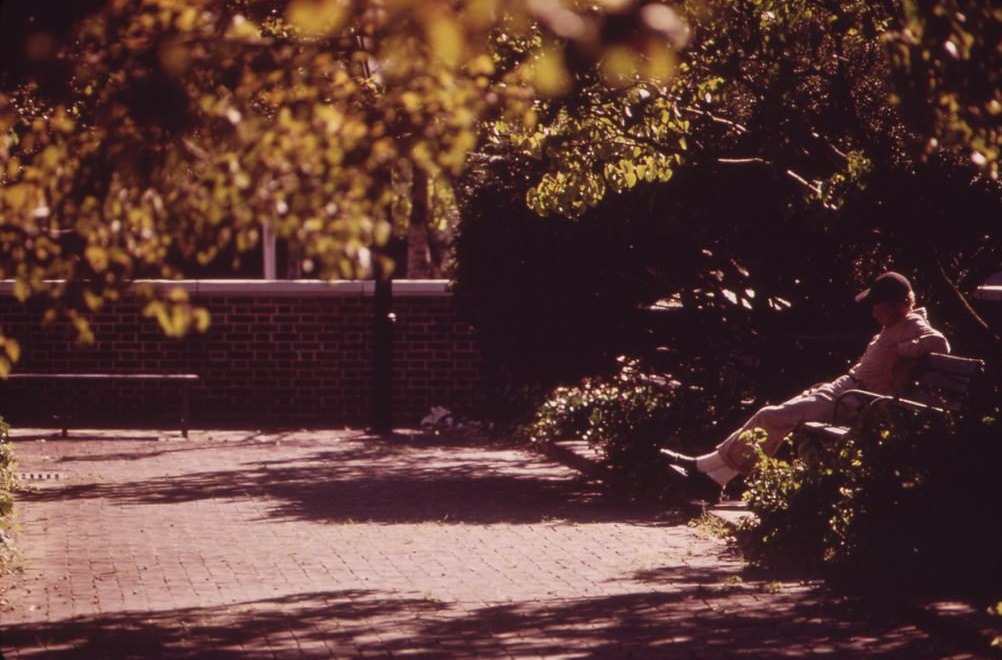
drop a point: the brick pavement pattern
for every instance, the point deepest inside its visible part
(336, 544)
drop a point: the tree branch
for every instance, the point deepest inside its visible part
(741, 130)
(963, 300)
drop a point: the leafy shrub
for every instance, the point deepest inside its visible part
(626, 417)
(8, 483)
(792, 501)
(905, 501)
(7, 475)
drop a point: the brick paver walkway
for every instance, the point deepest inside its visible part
(334, 544)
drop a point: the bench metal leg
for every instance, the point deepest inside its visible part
(64, 415)
(185, 408)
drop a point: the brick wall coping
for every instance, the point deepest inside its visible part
(989, 292)
(297, 288)
(348, 288)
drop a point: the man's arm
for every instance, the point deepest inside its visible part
(921, 338)
(918, 339)
(900, 371)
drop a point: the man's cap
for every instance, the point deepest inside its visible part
(890, 287)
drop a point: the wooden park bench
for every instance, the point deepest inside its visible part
(183, 381)
(935, 382)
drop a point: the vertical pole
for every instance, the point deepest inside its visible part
(268, 250)
(382, 318)
(382, 353)
(185, 407)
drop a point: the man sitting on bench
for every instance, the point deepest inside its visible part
(905, 334)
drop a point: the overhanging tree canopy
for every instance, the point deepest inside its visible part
(772, 170)
(138, 137)
(154, 134)
(948, 76)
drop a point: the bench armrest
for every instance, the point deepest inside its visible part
(845, 412)
(849, 404)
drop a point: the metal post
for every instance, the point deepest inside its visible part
(382, 355)
(268, 250)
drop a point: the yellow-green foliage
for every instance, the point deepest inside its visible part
(7, 475)
(8, 483)
(187, 130)
(622, 415)
(947, 76)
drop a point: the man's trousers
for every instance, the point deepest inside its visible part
(814, 405)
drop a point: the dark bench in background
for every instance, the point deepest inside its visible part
(62, 408)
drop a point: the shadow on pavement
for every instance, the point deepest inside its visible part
(692, 622)
(363, 479)
(666, 611)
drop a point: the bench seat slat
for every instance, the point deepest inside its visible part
(938, 398)
(827, 429)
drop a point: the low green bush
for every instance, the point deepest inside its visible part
(792, 501)
(907, 500)
(8, 484)
(7, 474)
(626, 416)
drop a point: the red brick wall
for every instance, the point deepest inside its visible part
(299, 356)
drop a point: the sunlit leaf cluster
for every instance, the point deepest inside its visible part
(798, 88)
(948, 74)
(604, 143)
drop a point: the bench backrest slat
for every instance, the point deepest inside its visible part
(950, 363)
(941, 381)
